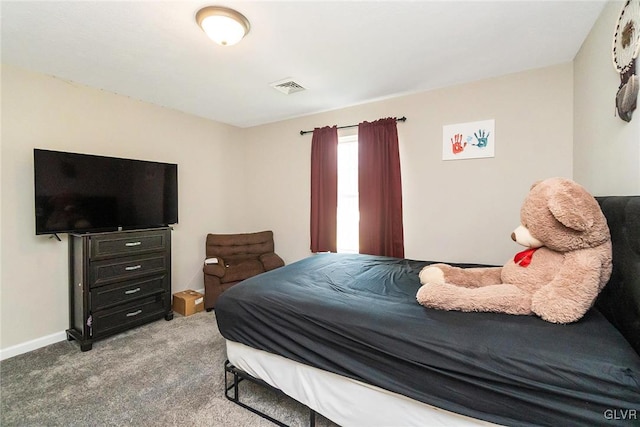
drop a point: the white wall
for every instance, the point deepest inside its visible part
(607, 149)
(44, 112)
(453, 210)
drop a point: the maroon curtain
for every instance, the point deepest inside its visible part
(380, 189)
(324, 189)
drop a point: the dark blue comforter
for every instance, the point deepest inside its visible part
(356, 315)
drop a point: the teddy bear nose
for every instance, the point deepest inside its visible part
(513, 236)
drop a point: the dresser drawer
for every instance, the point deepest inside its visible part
(119, 269)
(124, 244)
(119, 293)
(105, 322)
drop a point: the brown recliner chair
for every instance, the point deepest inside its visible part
(232, 258)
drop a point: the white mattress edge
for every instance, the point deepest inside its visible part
(345, 401)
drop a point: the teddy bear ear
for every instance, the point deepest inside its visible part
(534, 184)
(572, 209)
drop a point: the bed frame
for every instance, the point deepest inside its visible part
(233, 385)
(619, 302)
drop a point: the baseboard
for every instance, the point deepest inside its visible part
(32, 345)
(40, 342)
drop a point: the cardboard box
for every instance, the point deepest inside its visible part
(188, 302)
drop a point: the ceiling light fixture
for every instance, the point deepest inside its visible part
(223, 25)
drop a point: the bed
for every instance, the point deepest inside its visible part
(344, 335)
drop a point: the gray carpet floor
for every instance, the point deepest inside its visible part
(160, 374)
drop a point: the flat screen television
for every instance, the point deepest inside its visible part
(82, 193)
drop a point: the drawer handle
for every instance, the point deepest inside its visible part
(134, 313)
(132, 291)
(133, 244)
(133, 267)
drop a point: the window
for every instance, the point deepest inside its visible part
(348, 202)
(356, 192)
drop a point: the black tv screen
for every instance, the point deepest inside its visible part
(81, 193)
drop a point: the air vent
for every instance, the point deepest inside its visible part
(287, 86)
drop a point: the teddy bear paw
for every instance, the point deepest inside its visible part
(427, 294)
(431, 274)
(555, 309)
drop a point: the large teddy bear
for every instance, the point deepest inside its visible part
(558, 278)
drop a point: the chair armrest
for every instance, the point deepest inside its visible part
(271, 261)
(215, 269)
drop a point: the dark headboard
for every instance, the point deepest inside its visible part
(619, 301)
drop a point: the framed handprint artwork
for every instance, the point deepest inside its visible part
(471, 140)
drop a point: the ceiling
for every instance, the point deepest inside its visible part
(342, 52)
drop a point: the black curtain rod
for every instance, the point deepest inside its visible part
(401, 119)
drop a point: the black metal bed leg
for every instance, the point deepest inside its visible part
(235, 387)
(239, 375)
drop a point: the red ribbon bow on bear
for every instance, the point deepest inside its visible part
(523, 259)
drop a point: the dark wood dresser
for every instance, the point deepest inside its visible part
(117, 281)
